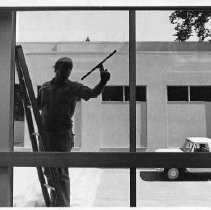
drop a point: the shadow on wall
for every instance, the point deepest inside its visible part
(208, 119)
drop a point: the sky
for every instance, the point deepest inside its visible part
(52, 26)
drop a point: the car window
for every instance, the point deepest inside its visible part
(201, 147)
(187, 147)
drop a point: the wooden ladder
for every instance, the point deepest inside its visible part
(31, 108)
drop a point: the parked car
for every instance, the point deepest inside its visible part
(191, 144)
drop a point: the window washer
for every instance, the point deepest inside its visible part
(57, 100)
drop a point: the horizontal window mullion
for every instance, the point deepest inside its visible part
(105, 159)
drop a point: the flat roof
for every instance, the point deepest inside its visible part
(199, 139)
(106, 46)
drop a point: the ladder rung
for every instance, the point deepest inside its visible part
(29, 106)
(35, 134)
(48, 186)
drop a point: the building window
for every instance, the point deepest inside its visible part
(18, 105)
(177, 93)
(112, 93)
(122, 93)
(200, 93)
(140, 93)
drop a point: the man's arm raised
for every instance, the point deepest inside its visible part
(87, 93)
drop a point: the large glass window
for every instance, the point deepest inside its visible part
(166, 125)
(86, 41)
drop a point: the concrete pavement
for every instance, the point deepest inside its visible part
(110, 188)
(192, 190)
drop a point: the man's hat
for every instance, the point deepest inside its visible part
(64, 60)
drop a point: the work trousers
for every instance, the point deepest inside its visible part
(58, 177)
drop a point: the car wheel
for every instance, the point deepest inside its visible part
(172, 173)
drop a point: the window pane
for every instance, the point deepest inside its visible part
(177, 93)
(112, 93)
(18, 106)
(90, 187)
(18, 118)
(87, 48)
(140, 93)
(200, 93)
(89, 42)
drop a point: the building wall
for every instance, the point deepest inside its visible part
(168, 123)
(185, 120)
(104, 126)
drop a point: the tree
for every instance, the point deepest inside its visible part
(189, 22)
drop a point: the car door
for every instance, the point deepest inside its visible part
(200, 147)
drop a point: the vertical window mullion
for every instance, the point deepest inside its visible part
(132, 84)
(124, 96)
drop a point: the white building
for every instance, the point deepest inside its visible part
(173, 89)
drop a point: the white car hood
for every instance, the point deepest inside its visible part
(169, 150)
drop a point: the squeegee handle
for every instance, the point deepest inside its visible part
(98, 65)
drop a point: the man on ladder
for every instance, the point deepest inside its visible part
(57, 100)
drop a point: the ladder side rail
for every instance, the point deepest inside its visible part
(31, 130)
(31, 95)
